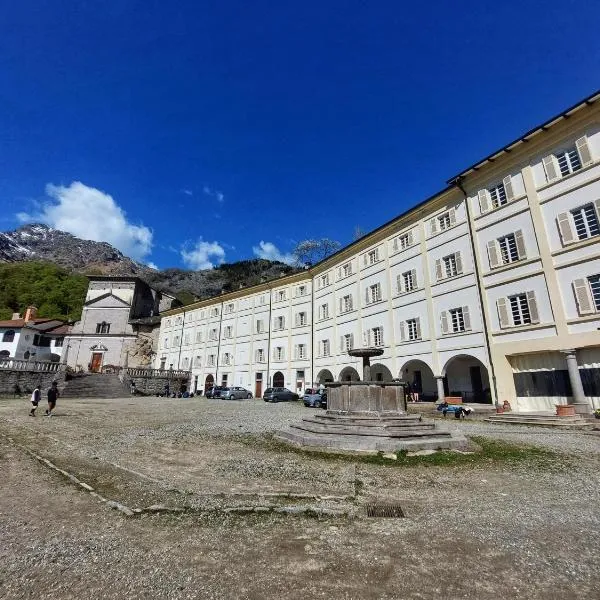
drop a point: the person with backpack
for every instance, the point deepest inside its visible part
(36, 398)
(53, 395)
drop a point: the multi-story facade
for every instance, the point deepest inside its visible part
(489, 289)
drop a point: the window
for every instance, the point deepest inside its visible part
(198, 361)
(567, 161)
(347, 270)
(403, 242)
(325, 348)
(198, 337)
(227, 358)
(9, 335)
(103, 327)
(372, 257)
(228, 333)
(168, 323)
(347, 342)
(508, 249)
(346, 303)
(323, 312)
(594, 282)
(413, 329)
(186, 339)
(279, 323)
(260, 355)
(498, 195)
(457, 320)
(261, 300)
(324, 280)
(260, 326)
(279, 353)
(301, 351)
(186, 363)
(302, 290)
(213, 335)
(408, 282)
(214, 312)
(374, 293)
(40, 340)
(377, 336)
(211, 360)
(280, 296)
(301, 319)
(176, 340)
(166, 343)
(178, 321)
(444, 221)
(224, 379)
(228, 308)
(58, 342)
(520, 309)
(585, 219)
(450, 268)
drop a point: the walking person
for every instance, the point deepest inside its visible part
(36, 398)
(53, 395)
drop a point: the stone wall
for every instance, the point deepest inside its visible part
(18, 381)
(154, 383)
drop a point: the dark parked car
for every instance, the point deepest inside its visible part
(279, 394)
(214, 391)
(315, 398)
(234, 393)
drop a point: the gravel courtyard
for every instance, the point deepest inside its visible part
(221, 511)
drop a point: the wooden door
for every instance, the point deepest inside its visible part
(258, 389)
(96, 364)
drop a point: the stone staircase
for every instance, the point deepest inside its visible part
(544, 419)
(365, 434)
(96, 385)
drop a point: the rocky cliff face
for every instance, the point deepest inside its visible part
(42, 243)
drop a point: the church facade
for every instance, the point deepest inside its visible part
(490, 290)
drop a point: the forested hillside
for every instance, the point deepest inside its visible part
(57, 293)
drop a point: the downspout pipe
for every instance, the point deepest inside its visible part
(459, 183)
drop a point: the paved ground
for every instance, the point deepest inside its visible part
(513, 530)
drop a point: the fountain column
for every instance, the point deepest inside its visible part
(439, 379)
(366, 368)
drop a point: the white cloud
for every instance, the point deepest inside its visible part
(91, 214)
(269, 251)
(203, 255)
(214, 193)
(188, 192)
(152, 265)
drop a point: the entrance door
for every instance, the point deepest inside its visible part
(476, 383)
(258, 386)
(96, 364)
(278, 379)
(418, 382)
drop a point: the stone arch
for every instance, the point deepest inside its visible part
(325, 376)
(380, 372)
(349, 374)
(4, 354)
(278, 379)
(209, 383)
(466, 376)
(419, 376)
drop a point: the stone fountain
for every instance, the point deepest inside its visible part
(368, 417)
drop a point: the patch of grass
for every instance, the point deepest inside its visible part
(490, 452)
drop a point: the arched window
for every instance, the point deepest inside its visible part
(4, 354)
(8, 336)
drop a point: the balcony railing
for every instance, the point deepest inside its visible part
(14, 364)
(163, 373)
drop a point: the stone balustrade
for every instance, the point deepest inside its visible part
(158, 373)
(14, 364)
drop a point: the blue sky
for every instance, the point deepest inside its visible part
(189, 133)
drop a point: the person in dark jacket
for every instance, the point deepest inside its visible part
(53, 395)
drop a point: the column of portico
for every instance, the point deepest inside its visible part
(439, 379)
(580, 402)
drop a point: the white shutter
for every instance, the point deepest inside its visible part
(533, 309)
(367, 295)
(433, 225)
(414, 278)
(349, 268)
(341, 305)
(503, 317)
(339, 272)
(297, 319)
(341, 344)
(418, 321)
(438, 269)
(466, 318)
(452, 214)
(365, 259)
(493, 254)
(395, 245)
(520, 241)
(565, 229)
(444, 321)
(585, 154)
(365, 338)
(484, 201)
(296, 351)
(583, 295)
(350, 302)
(351, 341)
(508, 188)
(597, 205)
(402, 331)
(409, 238)
(459, 264)
(550, 167)
(399, 280)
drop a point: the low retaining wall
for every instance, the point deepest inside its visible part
(150, 382)
(23, 379)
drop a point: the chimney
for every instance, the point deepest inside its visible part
(30, 313)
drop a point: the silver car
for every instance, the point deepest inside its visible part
(235, 393)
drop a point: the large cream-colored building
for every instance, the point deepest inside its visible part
(489, 289)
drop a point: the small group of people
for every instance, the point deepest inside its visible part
(36, 398)
(459, 411)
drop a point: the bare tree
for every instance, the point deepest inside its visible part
(309, 252)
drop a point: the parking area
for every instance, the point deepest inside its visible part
(480, 530)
